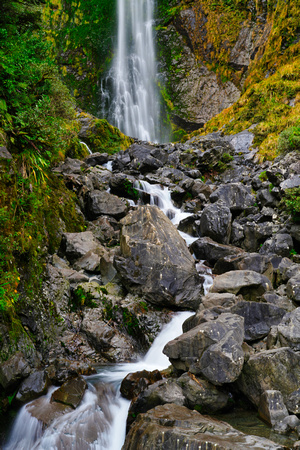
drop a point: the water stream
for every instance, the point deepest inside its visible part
(133, 103)
(99, 422)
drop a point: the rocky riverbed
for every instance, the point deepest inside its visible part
(114, 286)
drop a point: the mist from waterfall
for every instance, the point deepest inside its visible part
(133, 98)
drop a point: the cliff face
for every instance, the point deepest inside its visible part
(211, 51)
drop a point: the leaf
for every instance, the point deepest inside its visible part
(3, 106)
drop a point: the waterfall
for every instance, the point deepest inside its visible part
(134, 107)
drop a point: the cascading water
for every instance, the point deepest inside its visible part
(134, 107)
(99, 422)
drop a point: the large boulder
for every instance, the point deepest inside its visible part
(70, 393)
(288, 331)
(13, 370)
(154, 260)
(206, 249)
(171, 426)
(246, 282)
(215, 222)
(33, 387)
(235, 195)
(280, 244)
(268, 370)
(258, 318)
(78, 245)
(99, 203)
(293, 288)
(212, 349)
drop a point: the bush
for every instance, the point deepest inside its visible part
(289, 139)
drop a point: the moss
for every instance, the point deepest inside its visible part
(103, 137)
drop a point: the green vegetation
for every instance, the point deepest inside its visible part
(291, 202)
(289, 139)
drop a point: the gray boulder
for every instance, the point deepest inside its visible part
(288, 330)
(258, 318)
(246, 282)
(201, 395)
(206, 249)
(33, 387)
(268, 370)
(215, 222)
(212, 349)
(235, 195)
(280, 244)
(155, 260)
(293, 288)
(13, 370)
(271, 407)
(76, 245)
(244, 261)
(100, 203)
(172, 426)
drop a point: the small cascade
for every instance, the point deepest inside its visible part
(134, 105)
(87, 147)
(99, 423)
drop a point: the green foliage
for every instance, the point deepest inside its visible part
(81, 299)
(289, 139)
(291, 202)
(263, 176)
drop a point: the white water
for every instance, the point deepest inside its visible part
(134, 108)
(99, 423)
(87, 147)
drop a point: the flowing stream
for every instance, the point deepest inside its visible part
(133, 105)
(99, 422)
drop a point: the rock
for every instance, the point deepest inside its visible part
(244, 261)
(134, 383)
(215, 222)
(159, 393)
(13, 370)
(100, 203)
(268, 370)
(271, 407)
(123, 185)
(290, 183)
(111, 344)
(106, 229)
(289, 330)
(235, 195)
(206, 249)
(212, 349)
(171, 426)
(258, 318)
(96, 159)
(33, 387)
(141, 158)
(246, 282)
(293, 288)
(202, 395)
(70, 393)
(280, 244)
(70, 166)
(293, 402)
(155, 261)
(4, 153)
(77, 245)
(266, 198)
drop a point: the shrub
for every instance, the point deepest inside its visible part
(289, 139)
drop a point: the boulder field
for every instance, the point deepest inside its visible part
(115, 285)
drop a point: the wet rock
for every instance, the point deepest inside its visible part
(293, 288)
(207, 249)
(268, 370)
(134, 383)
(280, 244)
(13, 370)
(271, 407)
(33, 387)
(159, 393)
(96, 159)
(235, 195)
(289, 330)
(70, 393)
(212, 349)
(123, 185)
(246, 282)
(201, 395)
(244, 261)
(106, 339)
(172, 426)
(102, 203)
(155, 261)
(141, 159)
(293, 402)
(76, 245)
(215, 222)
(258, 318)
